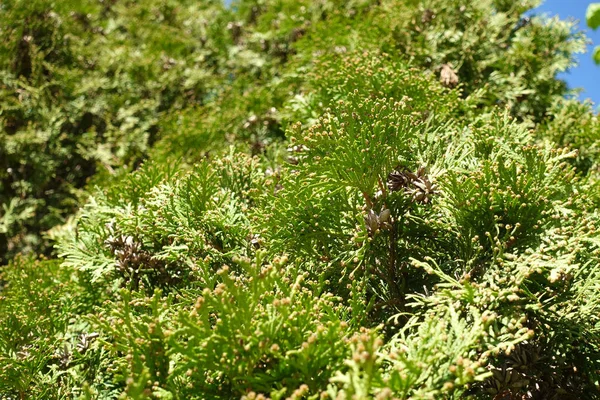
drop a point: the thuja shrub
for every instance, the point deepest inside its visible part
(361, 226)
(394, 254)
(407, 220)
(91, 87)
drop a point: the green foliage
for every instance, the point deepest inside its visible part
(83, 87)
(593, 15)
(295, 200)
(91, 87)
(493, 49)
(46, 350)
(574, 125)
(136, 233)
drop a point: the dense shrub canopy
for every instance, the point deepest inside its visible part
(295, 199)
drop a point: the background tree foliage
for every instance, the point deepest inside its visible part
(295, 199)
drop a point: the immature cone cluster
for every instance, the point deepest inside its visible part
(417, 184)
(448, 77)
(375, 221)
(130, 257)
